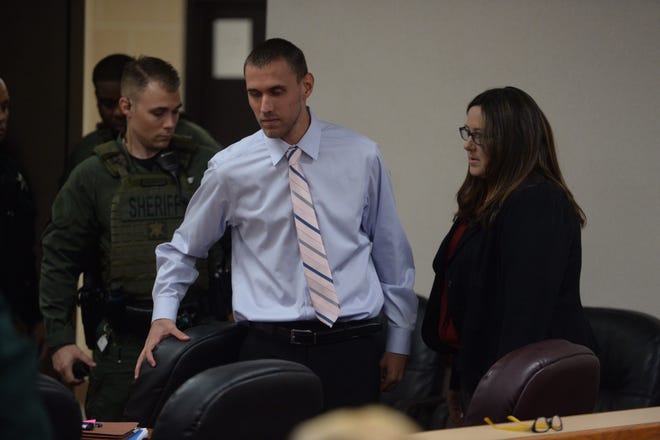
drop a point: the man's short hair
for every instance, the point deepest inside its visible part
(138, 73)
(276, 49)
(111, 68)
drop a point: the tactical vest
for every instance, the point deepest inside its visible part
(145, 211)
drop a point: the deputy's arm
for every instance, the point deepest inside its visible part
(69, 241)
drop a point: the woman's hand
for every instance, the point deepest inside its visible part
(455, 409)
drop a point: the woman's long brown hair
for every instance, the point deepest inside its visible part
(519, 142)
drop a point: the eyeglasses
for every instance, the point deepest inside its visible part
(540, 424)
(465, 133)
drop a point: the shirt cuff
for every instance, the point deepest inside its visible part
(165, 307)
(398, 340)
(58, 338)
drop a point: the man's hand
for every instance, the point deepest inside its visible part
(160, 329)
(65, 357)
(392, 366)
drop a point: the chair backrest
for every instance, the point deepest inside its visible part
(260, 399)
(629, 353)
(62, 408)
(210, 345)
(544, 378)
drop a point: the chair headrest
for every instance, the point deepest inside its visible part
(545, 378)
(210, 345)
(629, 352)
(268, 396)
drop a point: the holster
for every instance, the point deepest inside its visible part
(137, 318)
(125, 315)
(134, 317)
(115, 308)
(92, 309)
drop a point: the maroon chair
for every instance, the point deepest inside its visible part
(542, 379)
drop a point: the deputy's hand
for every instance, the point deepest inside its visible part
(160, 329)
(65, 357)
(392, 366)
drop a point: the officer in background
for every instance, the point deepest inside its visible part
(112, 211)
(106, 77)
(18, 274)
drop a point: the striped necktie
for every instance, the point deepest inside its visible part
(315, 262)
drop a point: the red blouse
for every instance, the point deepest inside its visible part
(446, 330)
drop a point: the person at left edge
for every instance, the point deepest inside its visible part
(18, 274)
(114, 208)
(22, 412)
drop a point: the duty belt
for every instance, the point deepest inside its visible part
(315, 333)
(136, 318)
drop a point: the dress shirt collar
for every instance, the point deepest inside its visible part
(310, 143)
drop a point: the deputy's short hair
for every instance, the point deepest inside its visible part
(138, 73)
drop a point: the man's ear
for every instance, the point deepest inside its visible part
(125, 105)
(308, 84)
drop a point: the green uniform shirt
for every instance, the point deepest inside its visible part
(79, 232)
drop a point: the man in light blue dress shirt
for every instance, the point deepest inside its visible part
(246, 187)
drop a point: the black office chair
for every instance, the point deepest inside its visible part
(62, 408)
(260, 399)
(542, 379)
(629, 353)
(210, 345)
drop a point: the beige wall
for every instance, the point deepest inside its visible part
(402, 72)
(142, 27)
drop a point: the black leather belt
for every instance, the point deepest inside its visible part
(315, 333)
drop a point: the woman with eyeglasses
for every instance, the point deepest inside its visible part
(508, 272)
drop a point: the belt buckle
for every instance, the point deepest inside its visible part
(302, 337)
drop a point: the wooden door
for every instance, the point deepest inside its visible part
(218, 102)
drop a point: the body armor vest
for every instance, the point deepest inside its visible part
(146, 209)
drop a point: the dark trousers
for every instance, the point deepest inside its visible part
(110, 381)
(349, 370)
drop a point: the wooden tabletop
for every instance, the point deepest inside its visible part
(635, 424)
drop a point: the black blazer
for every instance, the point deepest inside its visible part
(512, 283)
